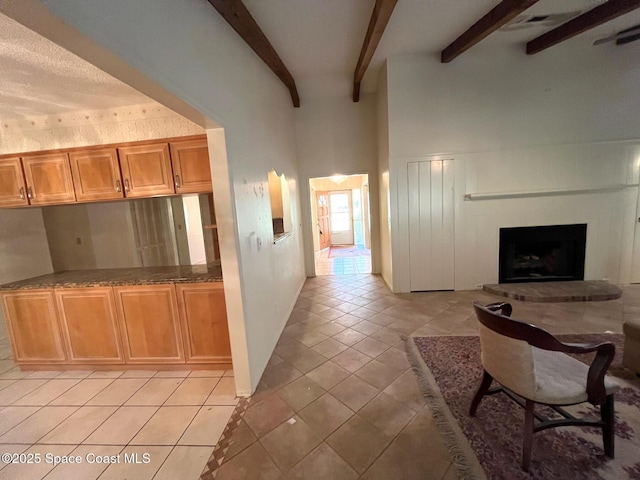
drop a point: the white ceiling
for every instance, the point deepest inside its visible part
(319, 41)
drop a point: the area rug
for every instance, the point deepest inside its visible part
(348, 251)
(448, 369)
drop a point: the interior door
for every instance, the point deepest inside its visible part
(430, 188)
(341, 217)
(324, 231)
(635, 261)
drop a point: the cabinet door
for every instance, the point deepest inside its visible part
(89, 326)
(13, 192)
(96, 174)
(203, 314)
(149, 324)
(48, 179)
(191, 171)
(33, 325)
(146, 170)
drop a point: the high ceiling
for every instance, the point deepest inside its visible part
(319, 42)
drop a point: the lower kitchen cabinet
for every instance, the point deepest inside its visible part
(89, 325)
(203, 316)
(34, 327)
(150, 324)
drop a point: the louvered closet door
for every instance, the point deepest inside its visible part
(430, 187)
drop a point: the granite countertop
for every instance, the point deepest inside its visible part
(111, 277)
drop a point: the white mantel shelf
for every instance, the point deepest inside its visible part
(546, 193)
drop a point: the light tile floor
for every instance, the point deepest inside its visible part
(338, 400)
(344, 265)
(175, 418)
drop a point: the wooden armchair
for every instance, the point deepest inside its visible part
(532, 367)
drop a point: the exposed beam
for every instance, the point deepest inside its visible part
(382, 11)
(237, 15)
(594, 17)
(496, 18)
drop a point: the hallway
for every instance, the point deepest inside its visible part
(343, 260)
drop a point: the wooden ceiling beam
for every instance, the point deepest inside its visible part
(501, 14)
(237, 15)
(594, 17)
(382, 11)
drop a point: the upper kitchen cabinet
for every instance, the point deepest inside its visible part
(48, 179)
(96, 174)
(13, 192)
(146, 170)
(191, 171)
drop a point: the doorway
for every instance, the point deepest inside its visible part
(341, 224)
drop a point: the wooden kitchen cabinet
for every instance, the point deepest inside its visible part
(203, 316)
(48, 179)
(191, 170)
(96, 174)
(89, 325)
(34, 327)
(146, 170)
(13, 192)
(149, 323)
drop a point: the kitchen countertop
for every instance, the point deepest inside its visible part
(113, 277)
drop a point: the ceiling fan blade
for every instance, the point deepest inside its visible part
(600, 41)
(629, 39)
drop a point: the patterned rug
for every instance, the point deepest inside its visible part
(489, 446)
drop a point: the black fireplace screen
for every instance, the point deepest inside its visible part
(538, 254)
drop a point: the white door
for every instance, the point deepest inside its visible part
(341, 217)
(635, 261)
(430, 188)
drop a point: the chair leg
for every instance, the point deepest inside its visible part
(527, 435)
(482, 390)
(608, 433)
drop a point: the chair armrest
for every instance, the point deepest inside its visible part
(504, 308)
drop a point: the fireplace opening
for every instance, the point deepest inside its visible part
(545, 253)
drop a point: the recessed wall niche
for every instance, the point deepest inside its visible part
(280, 204)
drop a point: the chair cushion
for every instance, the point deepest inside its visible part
(561, 379)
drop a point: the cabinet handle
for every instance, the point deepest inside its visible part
(21, 193)
(177, 182)
(126, 185)
(29, 193)
(118, 188)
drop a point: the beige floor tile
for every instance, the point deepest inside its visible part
(184, 462)
(351, 359)
(78, 426)
(254, 462)
(82, 392)
(11, 448)
(207, 426)
(206, 373)
(377, 374)
(359, 443)
(328, 374)
(371, 346)
(172, 374)
(136, 468)
(118, 392)
(34, 471)
(405, 390)
(95, 459)
(155, 391)
(387, 414)
(224, 393)
(44, 374)
(47, 392)
(325, 414)
(301, 392)
(166, 426)
(12, 416)
(75, 374)
(192, 391)
(354, 392)
(321, 464)
(267, 414)
(241, 439)
(19, 389)
(290, 442)
(37, 425)
(138, 374)
(330, 348)
(6, 383)
(106, 374)
(14, 374)
(122, 426)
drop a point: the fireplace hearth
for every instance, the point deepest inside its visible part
(544, 253)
